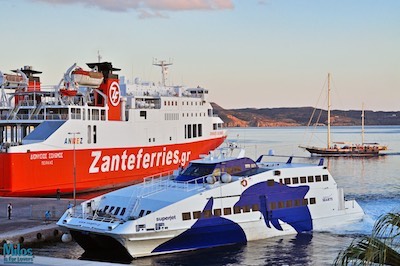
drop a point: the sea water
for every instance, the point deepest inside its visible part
(373, 182)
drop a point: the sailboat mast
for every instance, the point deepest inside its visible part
(329, 111)
(362, 124)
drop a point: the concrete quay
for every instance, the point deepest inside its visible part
(28, 223)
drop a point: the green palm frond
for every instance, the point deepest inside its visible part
(381, 248)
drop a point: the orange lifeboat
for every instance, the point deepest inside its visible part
(87, 78)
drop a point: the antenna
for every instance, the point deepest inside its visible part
(164, 69)
(98, 56)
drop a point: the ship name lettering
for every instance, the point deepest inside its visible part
(38, 156)
(162, 219)
(111, 163)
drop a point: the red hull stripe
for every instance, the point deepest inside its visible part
(42, 173)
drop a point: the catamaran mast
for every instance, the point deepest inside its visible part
(329, 111)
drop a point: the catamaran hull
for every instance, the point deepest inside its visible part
(215, 234)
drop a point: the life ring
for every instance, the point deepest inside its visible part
(244, 183)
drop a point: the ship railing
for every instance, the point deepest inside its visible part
(155, 185)
(79, 213)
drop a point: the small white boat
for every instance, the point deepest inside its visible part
(215, 201)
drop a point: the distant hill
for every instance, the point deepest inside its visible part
(300, 116)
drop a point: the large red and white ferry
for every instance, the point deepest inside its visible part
(95, 131)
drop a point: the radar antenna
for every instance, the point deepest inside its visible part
(164, 69)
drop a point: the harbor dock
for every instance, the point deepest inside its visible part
(29, 223)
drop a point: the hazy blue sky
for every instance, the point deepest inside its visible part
(248, 53)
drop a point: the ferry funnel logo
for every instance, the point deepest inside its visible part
(114, 94)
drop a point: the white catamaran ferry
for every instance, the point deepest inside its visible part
(215, 201)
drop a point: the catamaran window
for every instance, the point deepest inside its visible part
(217, 212)
(198, 170)
(207, 213)
(281, 205)
(111, 209)
(288, 204)
(143, 114)
(270, 182)
(123, 211)
(236, 209)
(312, 200)
(305, 202)
(148, 212)
(196, 215)
(246, 208)
(317, 178)
(117, 211)
(214, 126)
(325, 177)
(199, 130)
(272, 205)
(255, 207)
(277, 172)
(186, 216)
(105, 208)
(310, 178)
(141, 213)
(287, 181)
(297, 202)
(227, 211)
(303, 180)
(295, 180)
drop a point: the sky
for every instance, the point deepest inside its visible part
(248, 53)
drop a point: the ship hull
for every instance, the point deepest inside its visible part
(44, 173)
(342, 153)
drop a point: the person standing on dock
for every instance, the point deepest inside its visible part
(9, 211)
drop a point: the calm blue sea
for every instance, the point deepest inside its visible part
(374, 182)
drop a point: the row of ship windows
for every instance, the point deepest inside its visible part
(193, 131)
(175, 103)
(116, 212)
(247, 208)
(175, 116)
(299, 180)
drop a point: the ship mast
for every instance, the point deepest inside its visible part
(329, 111)
(362, 125)
(164, 69)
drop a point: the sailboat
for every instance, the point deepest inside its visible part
(342, 149)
